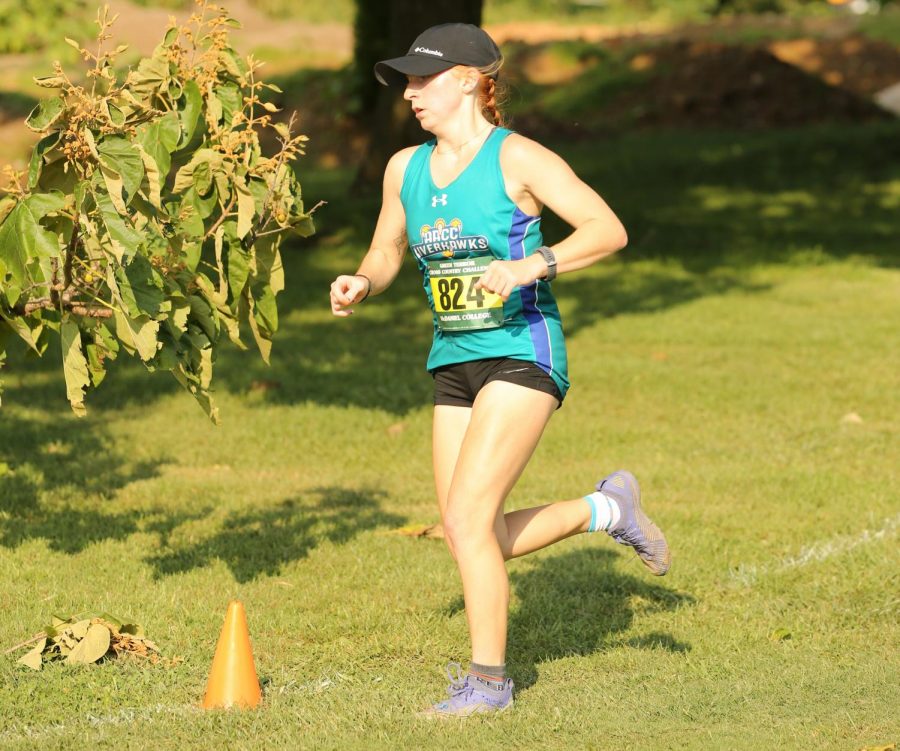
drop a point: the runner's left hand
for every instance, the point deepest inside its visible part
(502, 277)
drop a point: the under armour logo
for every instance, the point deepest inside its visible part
(435, 201)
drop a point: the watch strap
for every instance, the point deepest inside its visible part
(550, 259)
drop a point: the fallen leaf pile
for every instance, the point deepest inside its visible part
(89, 640)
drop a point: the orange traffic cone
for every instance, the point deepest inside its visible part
(232, 678)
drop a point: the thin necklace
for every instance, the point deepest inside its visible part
(464, 143)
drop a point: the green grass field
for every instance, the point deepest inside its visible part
(740, 356)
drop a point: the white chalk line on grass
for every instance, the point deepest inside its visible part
(152, 713)
(818, 552)
(124, 716)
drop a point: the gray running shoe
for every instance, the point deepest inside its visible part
(467, 696)
(634, 527)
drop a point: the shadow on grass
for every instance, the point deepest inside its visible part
(81, 468)
(260, 542)
(718, 201)
(579, 603)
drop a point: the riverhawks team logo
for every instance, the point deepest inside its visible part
(446, 238)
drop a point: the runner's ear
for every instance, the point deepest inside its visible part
(468, 77)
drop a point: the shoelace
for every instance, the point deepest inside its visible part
(459, 686)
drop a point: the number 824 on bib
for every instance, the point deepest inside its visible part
(458, 304)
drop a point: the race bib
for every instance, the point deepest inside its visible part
(457, 302)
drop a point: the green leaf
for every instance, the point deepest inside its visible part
(114, 187)
(74, 365)
(121, 156)
(283, 131)
(45, 114)
(238, 270)
(33, 659)
(266, 311)
(184, 178)
(205, 205)
(213, 111)
(178, 318)
(268, 264)
(202, 178)
(189, 114)
(116, 116)
(92, 647)
(263, 343)
(203, 313)
(232, 63)
(190, 225)
(55, 176)
(138, 334)
(190, 254)
(88, 136)
(37, 158)
(175, 89)
(22, 239)
(246, 208)
(140, 287)
(21, 326)
(159, 140)
(151, 170)
(232, 100)
(203, 398)
(151, 74)
(124, 238)
(96, 368)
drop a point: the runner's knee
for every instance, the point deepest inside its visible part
(463, 528)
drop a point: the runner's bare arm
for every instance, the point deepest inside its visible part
(537, 177)
(381, 264)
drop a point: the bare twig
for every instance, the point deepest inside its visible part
(79, 309)
(225, 215)
(32, 640)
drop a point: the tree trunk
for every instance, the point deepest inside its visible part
(383, 30)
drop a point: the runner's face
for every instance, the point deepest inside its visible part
(434, 98)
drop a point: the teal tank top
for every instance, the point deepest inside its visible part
(474, 218)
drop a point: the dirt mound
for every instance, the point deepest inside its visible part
(861, 65)
(685, 83)
(708, 84)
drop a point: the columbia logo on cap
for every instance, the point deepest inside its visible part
(429, 52)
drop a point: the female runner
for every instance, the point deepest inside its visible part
(468, 204)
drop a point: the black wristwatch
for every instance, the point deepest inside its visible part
(550, 259)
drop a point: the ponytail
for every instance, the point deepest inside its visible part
(487, 97)
(489, 91)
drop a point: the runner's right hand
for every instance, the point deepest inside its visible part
(347, 290)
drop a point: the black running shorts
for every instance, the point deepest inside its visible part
(458, 385)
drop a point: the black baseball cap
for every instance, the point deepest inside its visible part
(437, 49)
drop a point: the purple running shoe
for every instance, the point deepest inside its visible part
(634, 527)
(468, 696)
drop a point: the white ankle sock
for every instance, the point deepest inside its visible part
(605, 512)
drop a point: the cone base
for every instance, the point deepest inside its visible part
(233, 682)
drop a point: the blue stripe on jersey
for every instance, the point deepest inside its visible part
(537, 324)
